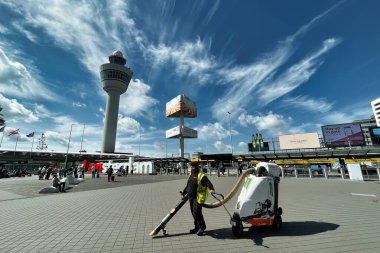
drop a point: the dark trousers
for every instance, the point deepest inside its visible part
(61, 186)
(109, 177)
(196, 211)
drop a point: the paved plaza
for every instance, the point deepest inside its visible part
(320, 215)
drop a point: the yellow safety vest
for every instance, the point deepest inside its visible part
(202, 191)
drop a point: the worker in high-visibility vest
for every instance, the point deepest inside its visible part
(197, 189)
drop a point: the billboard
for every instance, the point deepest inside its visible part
(181, 105)
(375, 135)
(186, 132)
(258, 144)
(299, 141)
(343, 135)
(173, 132)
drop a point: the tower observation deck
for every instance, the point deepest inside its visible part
(115, 77)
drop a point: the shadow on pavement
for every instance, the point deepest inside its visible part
(170, 235)
(294, 228)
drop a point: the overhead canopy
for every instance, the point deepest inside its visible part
(370, 152)
(217, 157)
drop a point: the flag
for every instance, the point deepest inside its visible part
(2, 129)
(13, 132)
(30, 135)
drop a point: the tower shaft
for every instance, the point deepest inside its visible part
(110, 122)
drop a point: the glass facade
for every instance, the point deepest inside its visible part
(115, 74)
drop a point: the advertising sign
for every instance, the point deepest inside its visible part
(375, 135)
(299, 141)
(258, 144)
(187, 132)
(181, 105)
(173, 132)
(343, 135)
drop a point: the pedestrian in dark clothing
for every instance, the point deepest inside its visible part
(48, 173)
(109, 173)
(93, 171)
(197, 192)
(76, 172)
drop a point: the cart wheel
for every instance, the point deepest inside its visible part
(238, 229)
(277, 222)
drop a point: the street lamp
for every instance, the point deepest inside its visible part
(81, 142)
(139, 139)
(68, 145)
(229, 118)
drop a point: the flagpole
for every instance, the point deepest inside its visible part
(16, 143)
(32, 145)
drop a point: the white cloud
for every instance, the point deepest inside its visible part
(136, 100)
(294, 76)
(188, 58)
(216, 131)
(309, 104)
(220, 146)
(244, 81)
(128, 125)
(242, 144)
(80, 28)
(211, 12)
(3, 29)
(21, 28)
(270, 121)
(349, 113)
(17, 81)
(15, 112)
(79, 105)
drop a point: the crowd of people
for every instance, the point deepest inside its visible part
(18, 172)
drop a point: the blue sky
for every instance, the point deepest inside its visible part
(279, 67)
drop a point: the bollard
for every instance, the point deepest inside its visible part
(310, 173)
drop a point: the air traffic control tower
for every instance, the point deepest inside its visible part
(115, 77)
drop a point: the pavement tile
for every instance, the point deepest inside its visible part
(319, 216)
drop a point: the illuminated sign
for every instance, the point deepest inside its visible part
(343, 135)
(181, 105)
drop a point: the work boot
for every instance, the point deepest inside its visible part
(200, 232)
(194, 230)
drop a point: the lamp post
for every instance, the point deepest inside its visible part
(81, 142)
(229, 119)
(139, 139)
(67, 152)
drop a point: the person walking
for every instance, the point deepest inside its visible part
(39, 173)
(93, 170)
(197, 189)
(82, 167)
(109, 173)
